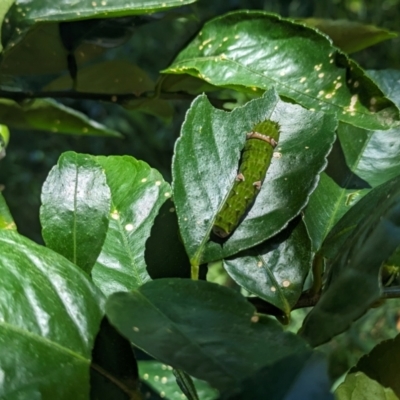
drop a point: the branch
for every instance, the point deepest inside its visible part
(310, 300)
(121, 98)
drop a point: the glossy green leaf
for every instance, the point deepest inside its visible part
(114, 371)
(6, 219)
(373, 155)
(137, 193)
(382, 363)
(207, 330)
(50, 313)
(254, 50)
(30, 11)
(75, 209)
(107, 77)
(389, 81)
(359, 387)
(161, 378)
(275, 270)
(206, 161)
(4, 7)
(367, 206)
(353, 281)
(49, 115)
(328, 203)
(301, 376)
(350, 36)
(165, 254)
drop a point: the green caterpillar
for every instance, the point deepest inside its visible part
(255, 161)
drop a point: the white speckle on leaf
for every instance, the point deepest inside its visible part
(135, 329)
(158, 183)
(273, 289)
(286, 283)
(129, 227)
(115, 215)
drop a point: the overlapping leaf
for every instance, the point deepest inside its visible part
(275, 271)
(350, 36)
(327, 205)
(137, 193)
(255, 51)
(359, 387)
(48, 115)
(75, 209)
(209, 331)
(50, 313)
(206, 161)
(4, 7)
(353, 282)
(381, 364)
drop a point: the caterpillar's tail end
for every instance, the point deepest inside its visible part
(220, 232)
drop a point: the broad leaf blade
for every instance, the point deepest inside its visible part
(368, 205)
(206, 161)
(137, 193)
(51, 116)
(372, 155)
(4, 7)
(75, 209)
(50, 313)
(353, 282)
(328, 203)
(253, 51)
(350, 36)
(381, 364)
(276, 270)
(389, 81)
(205, 329)
(359, 387)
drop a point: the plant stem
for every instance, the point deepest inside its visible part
(308, 299)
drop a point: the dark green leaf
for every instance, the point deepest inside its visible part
(350, 36)
(6, 219)
(75, 209)
(389, 81)
(353, 282)
(382, 364)
(49, 115)
(367, 206)
(301, 376)
(161, 378)
(254, 50)
(107, 77)
(372, 155)
(206, 162)
(114, 371)
(50, 313)
(327, 204)
(165, 254)
(207, 330)
(137, 193)
(359, 387)
(4, 7)
(275, 271)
